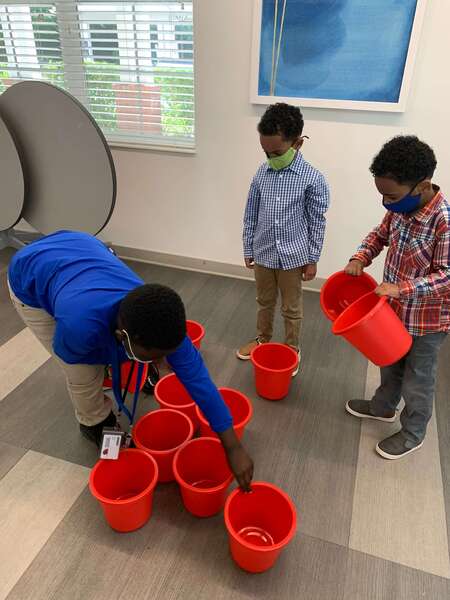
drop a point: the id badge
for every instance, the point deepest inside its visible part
(111, 443)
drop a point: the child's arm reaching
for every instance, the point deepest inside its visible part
(374, 243)
(250, 221)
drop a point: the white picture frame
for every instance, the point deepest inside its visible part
(399, 105)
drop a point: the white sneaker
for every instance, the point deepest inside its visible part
(295, 372)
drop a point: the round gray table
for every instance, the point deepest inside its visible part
(70, 180)
(11, 177)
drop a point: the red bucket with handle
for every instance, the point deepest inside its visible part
(341, 290)
(260, 525)
(372, 327)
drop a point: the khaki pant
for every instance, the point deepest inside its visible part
(289, 283)
(84, 382)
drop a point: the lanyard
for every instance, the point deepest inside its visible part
(117, 387)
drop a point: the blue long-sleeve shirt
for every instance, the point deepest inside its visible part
(284, 220)
(75, 278)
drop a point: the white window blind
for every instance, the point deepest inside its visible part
(130, 63)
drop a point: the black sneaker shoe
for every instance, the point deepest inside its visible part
(94, 433)
(361, 409)
(396, 446)
(152, 380)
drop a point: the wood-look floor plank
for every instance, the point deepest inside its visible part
(85, 558)
(370, 578)
(35, 496)
(442, 407)
(398, 507)
(19, 358)
(9, 456)
(10, 322)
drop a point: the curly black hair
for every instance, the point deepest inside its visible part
(405, 159)
(154, 316)
(282, 119)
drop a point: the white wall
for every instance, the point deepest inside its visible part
(192, 205)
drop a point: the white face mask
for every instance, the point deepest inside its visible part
(131, 355)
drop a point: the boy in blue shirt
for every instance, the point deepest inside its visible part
(284, 225)
(90, 310)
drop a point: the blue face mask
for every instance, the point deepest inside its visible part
(407, 204)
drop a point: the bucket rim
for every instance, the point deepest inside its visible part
(271, 369)
(242, 423)
(201, 334)
(382, 300)
(104, 500)
(166, 404)
(233, 533)
(162, 452)
(332, 278)
(182, 483)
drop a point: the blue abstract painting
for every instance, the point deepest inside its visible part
(354, 50)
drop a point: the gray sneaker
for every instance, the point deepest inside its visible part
(361, 409)
(396, 446)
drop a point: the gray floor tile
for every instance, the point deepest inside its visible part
(369, 578)
(442, 407)
(9, 456)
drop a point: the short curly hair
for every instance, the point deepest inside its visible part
(154, 317)
(405, 159)
(282, 119)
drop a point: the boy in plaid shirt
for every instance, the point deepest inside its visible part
(417, 281)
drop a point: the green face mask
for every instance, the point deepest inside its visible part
(281, 162)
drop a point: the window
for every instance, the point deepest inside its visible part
(104, 43)
(3, 56)
(45, 33)
(184, 37)
(154, 43)
(130, 63)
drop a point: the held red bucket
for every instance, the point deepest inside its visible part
(203, 474)
(125, 372)
(124, 488)
(373, 328)
(161, 433)
(259, 524)
(241, 410)
(171, 393)
(196, 332)
(273, 365)
(341, 290)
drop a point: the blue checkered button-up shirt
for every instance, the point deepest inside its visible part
(284, 221)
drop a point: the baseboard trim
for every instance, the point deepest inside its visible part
(200, 265)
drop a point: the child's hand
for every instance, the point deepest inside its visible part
(388, 289)
(249, 263)
(309, 272)
(354, 268)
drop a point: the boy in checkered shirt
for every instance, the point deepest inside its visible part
(417, 281)
(284, 225)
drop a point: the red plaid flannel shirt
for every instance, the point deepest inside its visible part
(418, 261)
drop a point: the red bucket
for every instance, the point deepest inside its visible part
(341, 290)
(259, 524)
(373, 328)
(241, 410)
(124, 488)
(203, 474)
(125, 371)
(274, 365)
(196, 332)
(171, 393)
(161, 433)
